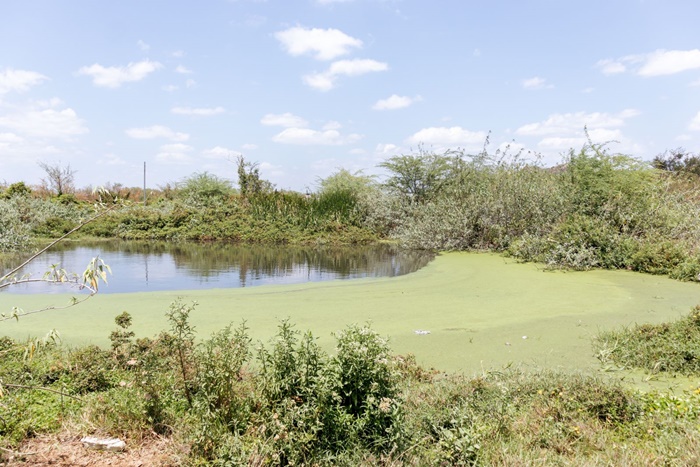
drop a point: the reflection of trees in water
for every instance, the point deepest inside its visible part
(254, 261)
(260, 261)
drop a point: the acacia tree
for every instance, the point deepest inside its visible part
(419, 177)
(59, 179)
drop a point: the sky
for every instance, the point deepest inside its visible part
(306, 87)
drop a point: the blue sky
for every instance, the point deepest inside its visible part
(304, 87)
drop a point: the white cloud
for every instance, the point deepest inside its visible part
(561, 132)
(611, 67)
(560, 124)
(182, 70)
(200, 112)
(111, 159)
(10, 138)
(447, 136)
(658, 63)
(45, 120)
(387, 149)
(669, 62)
(307, 136)
(174, 154)
(323, 44)
(249, 147)
(332, 125)
(395, 101)
(190, 83)
(156, 131)
(170, 88)
(536, 83)
(113, 77)
(287, 120)
(143, 46)
(219, 152)
(695, 123)
(19, 80)
(325, 81)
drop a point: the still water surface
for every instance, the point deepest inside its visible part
(153, 266)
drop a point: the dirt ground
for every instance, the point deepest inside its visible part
(67, 450)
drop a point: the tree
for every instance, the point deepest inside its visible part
(343, 180)
(677, 160)
(16, 189)
(249, 181)
(419, 177)
(59, 179)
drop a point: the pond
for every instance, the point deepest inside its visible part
(162, 266)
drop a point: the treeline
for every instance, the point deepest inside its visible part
(595, 209)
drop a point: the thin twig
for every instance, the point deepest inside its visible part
(79, 226)
(73, 302)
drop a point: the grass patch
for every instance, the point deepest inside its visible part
(663, 347)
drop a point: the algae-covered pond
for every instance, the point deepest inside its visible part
(482, 311)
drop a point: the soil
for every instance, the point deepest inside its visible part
(66, 450)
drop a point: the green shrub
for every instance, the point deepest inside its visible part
(665, 347)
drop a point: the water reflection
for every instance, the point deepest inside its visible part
(151, 266)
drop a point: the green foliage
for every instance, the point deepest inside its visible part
(249, 181)
(665, 347)
(16, 189)
(420, 177)
(204, 189)
(678, 161)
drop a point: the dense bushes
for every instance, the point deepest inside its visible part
(595, 210)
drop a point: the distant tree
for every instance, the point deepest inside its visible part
(16, 189)
(59, 179)
(203, 189)
(249, 181)
(419, 177)
(343, 180)
(678, 160)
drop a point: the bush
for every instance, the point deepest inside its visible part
(666, 347)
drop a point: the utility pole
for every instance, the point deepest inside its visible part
(144, 183)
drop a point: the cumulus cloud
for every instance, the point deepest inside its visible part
(182, 70)
(658, 63)
(558, 124)
(200, 112)
(219, 152)
(669, 62)
(115, 76)
(287, 120)
(19, 80)
(44, 120)
(695, 123)
(111, 159)
(325, 81)
(565, 131)
(448, 136)
(395, 101)
(174, 154)
(156, 131)
(322, 44)
(307, 136)
(536, 83)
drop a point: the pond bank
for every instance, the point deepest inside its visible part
(482, 311)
